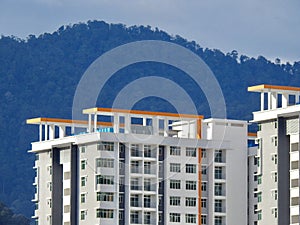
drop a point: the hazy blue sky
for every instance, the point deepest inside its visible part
(253, 27)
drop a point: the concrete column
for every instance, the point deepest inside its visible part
(73, 128)
(95, 122)
(46, 132)
(297, 99)
(285, 100)
(269, 101)
(51, 132)
(116, 123)
(127, 123)
(90, 124)
(274, 100)
(62, 131)
(155, 126)
(166, 127)
(41, 132)
(262, 101)
(144, 121)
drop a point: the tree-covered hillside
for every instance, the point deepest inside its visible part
(7, 217)
(38, 77)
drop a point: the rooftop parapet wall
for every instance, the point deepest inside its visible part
(121, 121)
(276, 96)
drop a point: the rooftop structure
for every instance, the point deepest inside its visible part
(138, 167)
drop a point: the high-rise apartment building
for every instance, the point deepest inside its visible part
(141, 168)
(277, 158)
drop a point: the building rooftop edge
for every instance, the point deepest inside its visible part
(268, 87)
(140, 112)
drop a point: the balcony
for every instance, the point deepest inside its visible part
(139, 129)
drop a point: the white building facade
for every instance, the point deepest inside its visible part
(137, 167)
(277, 158)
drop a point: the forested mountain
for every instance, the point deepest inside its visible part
(7, 217)
(38, 77)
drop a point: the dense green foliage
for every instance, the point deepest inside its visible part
(7, 217)
(38, 77)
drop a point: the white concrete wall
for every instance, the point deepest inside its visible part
(236, 165)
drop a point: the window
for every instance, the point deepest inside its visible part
(218, 172)
(190, 168)
(190, 202)
(257, 161)
(218, 190)
(122, 167)
(121, 198)
(67, 209)
(294, 183)
(274, 194)
(49, 168)
(147, 201)
(259, 215)
(203, 186)
(82, 198)
(105, 213)
(134, 166)
(134, 217)
(175, 217)
(83, 214)
(104, 162)
(174, 184)
(274, 140)
(147, 150)
(191, 152)
(83, 164)
(203, 153)
(175, 167)
(160, 216)
(135, 150)
(134, 201)
(259, 197)
(274, 176)
(295, 219)
(218, 156)
(259, 179)
(121, 215)
(274, 158)
(259, 127)
(105, 196)
(83, 181)
(191, 185)
(274, 212)
(82, 149)
(147, 167)
(134, 183)
(147, 217)
(105, 146)
(203, 202)
(259, 143)
(203, 219)
(175, 200)
(104, 179)
(218, 205)
(190, 218)
(49, 185)
(295, 165)
(218, 220)
(147, 184)
(174, 150)
(36, 206)
(203, 170)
